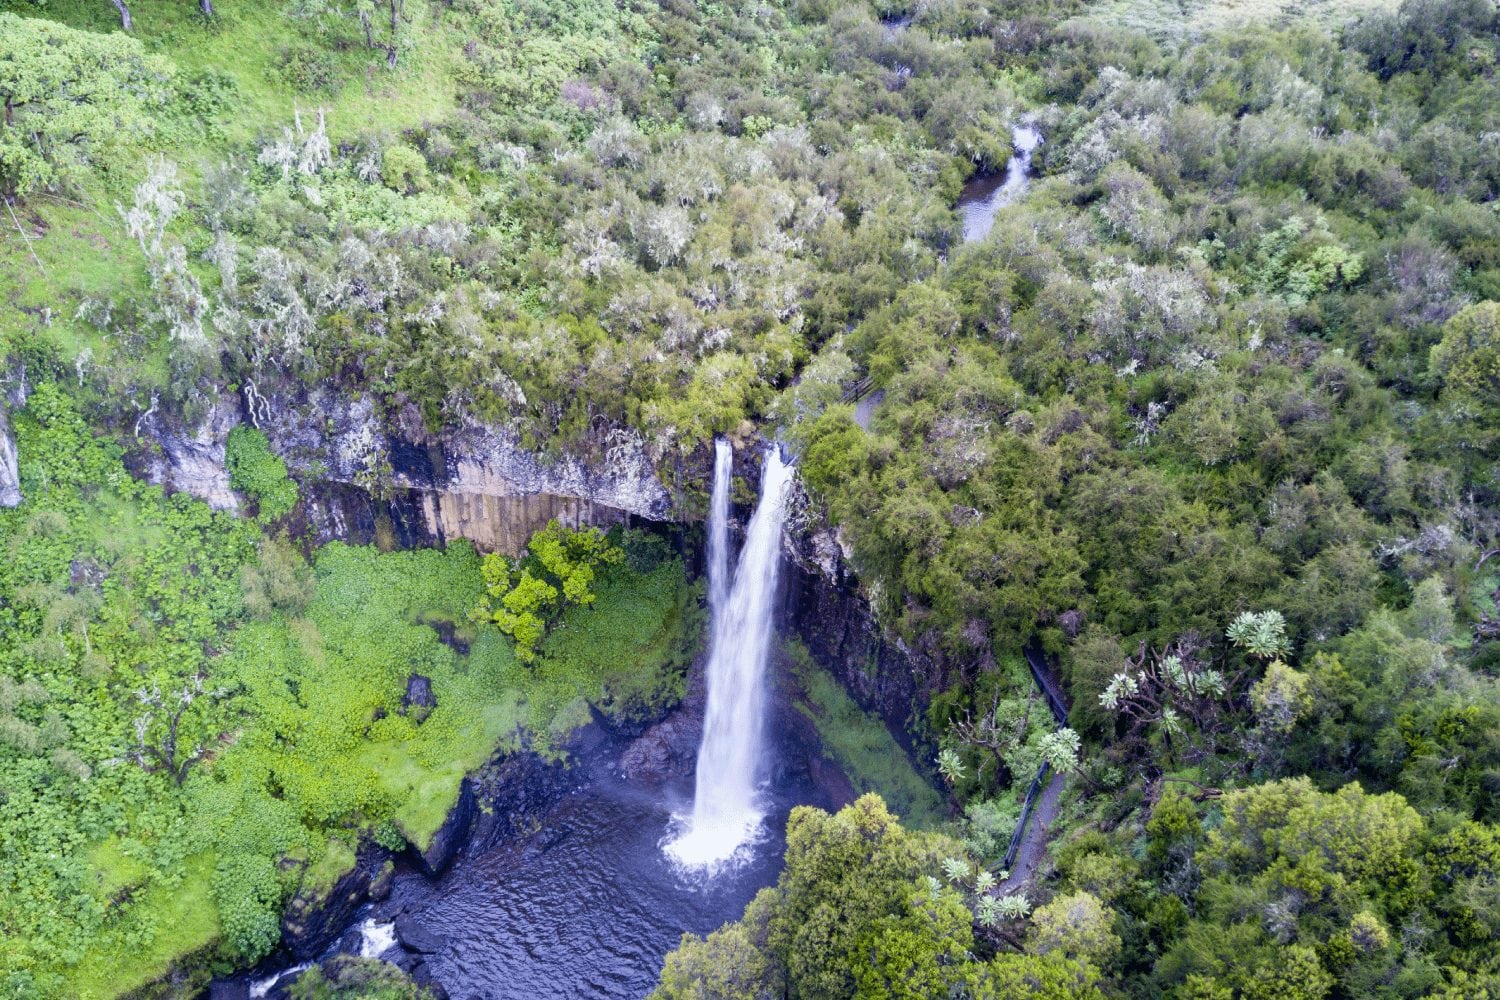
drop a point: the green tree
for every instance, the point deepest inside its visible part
(1078, 926)
(1466, 361)
(70, 99)
(857, 912)
(259, 473)
(526, 596)
(1032, 977)
(1295, 974)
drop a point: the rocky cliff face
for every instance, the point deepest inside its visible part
(192, 461)
(10, 475)
(826, 607)
(369, 479)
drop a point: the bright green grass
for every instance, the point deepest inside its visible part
(56, 251)
(121, 962)
(309, 748)
(338, 857)
(245, 41)
(116, 868)
(863, 747)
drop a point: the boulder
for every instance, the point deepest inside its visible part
(416, 938)
(229, 989)
(419, 701)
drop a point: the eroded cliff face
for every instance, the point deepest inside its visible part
(10, 473)
(365, 478)
(192, 461)
(827, 607)
(391, 481)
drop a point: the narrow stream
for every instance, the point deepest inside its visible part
(986, 194)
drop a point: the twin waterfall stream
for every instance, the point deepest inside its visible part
(726, 812)
(627, 865)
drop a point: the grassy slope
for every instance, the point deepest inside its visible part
(862, 746)
(76, 246)
(189, 921)
(314, 748)
(345, 752)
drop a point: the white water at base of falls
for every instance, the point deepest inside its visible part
(376, 938)
(726, 814)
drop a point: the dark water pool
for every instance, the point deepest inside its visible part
(593, 915)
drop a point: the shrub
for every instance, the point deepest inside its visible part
(259, 473)
(308, 69)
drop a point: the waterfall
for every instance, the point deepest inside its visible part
(725, 813)
(718, 528)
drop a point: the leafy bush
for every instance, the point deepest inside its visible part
(527, 595)
(259, 473)
(249, 896)
(308, 69)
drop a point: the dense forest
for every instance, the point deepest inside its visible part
(1210, 420)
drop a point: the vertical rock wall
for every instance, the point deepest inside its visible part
(10, 474)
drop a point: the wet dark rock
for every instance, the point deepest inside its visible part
(513, 791)
(350, 941)
(229, 989)
(827, 610)
(452, 835)
(422, 976)
(380, 885)
(416, 938)
(666, 750)
(419, 701)
(449, 635)
(312, 921)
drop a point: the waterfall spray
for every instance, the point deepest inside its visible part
(725, 813)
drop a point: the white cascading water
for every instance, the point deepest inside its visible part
(726, 814)
(718, 528)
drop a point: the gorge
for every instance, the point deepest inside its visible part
(401, 596)
(621, 853)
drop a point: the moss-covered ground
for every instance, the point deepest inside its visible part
(862, 746)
